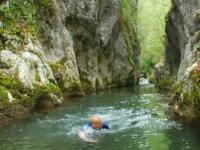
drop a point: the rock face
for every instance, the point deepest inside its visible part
(97, 57)
(182, 30)
(162, 75)
(186, 98)
(58, 48)
(73, 47)
(182, 52)
(26, 81)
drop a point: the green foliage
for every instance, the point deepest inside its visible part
(17, 24)
(45, 2)
(188, 98)
(165, 83)
(147, 66)
(128, 23)
(41, 92)
(129, 30)
(128, 13)
(151, 31)
(9, 82)
(197, 47)
(3, 97)
(18, 15)
(46, 7)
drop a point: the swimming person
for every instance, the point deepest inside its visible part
(95, 123)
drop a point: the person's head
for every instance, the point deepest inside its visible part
(96, 122)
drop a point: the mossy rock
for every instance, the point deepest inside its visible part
(197, 47)
(3, 97)
(24, 95)
(18, 23)
(152, 78)
(128, 21)
(197, 15)
(165, 83)
(86, 85)
(10, 81)
(188, 100)
(74, 88)
(47, 7)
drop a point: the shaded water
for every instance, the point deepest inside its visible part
(138, 122)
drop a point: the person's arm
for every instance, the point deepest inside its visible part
(83, 136)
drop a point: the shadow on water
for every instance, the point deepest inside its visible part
(137, 119)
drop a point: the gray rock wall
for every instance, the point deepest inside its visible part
(88, 35)
(182, 30)
(78, 46)
(26, 83)
(183, 57)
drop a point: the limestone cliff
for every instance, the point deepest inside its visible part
(97, 57)
(26, 81)
(182, 55)
(51, 48)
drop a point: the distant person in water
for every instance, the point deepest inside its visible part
(95, 123)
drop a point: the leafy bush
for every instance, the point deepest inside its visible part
(147, 66)
(151, 31)
(17, 15)
(129, 28)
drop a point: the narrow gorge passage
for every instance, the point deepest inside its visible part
(63, 61)
(138, 121)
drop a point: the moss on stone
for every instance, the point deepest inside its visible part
(73, 87)
(197, 47)
(177, 87)
(196, 15)
(57, 66)
(1, 46)
(128, 27)
(47, 7)
(24, 96)
(18, 24)
(18, 27)
(128, 23)
(76, 89)
(10, 81)
(3, 97)
(165, 83)
(188, 96)
(86, 85)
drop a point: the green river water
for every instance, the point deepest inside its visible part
(138, 121)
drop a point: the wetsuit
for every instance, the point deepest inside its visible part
(87, 128)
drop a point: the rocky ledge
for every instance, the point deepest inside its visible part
(26, 83)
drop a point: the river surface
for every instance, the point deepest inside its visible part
(137, 120)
